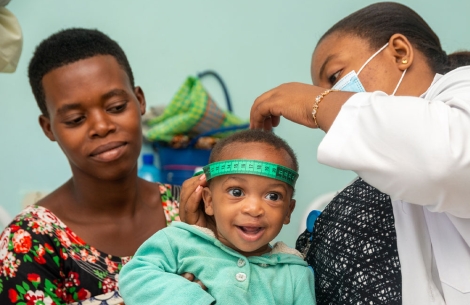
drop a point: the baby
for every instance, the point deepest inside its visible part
(251, 177)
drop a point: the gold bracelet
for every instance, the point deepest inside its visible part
(318, 99)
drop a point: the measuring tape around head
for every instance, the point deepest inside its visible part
(251, 167)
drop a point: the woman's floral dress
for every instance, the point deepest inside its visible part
(43, 262)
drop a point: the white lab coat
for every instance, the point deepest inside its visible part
(417, 150)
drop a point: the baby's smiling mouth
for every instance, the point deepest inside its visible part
(250, 230)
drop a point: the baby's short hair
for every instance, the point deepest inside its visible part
(69, 46)
(254, 136)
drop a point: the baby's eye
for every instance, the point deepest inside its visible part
(236, 192)
(273, 196)
(333, 78)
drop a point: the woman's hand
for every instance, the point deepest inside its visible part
(190, 277)
(192, 211)
(295, 101)
(191, 204)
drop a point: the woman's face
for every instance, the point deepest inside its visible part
(338, 54)
(95, 115)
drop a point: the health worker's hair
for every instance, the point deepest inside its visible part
(378, 22)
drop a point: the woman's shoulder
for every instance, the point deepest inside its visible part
(458, 77)
(170, 196)
(38, 213)
(447, 87)
(463, 69)
(35, 224)
(30, 240)
(38, 249)
(170, 191)
(39, 228)
(461, 74)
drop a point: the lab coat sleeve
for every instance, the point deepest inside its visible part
(305, 289)
(151, 278)
(414, 149)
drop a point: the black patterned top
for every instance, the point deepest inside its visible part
(354, 250)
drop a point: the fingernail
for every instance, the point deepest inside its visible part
(202, 177)
(198, 188)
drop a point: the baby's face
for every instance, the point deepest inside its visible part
(250, 210)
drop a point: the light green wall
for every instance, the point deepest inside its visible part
(254, 45)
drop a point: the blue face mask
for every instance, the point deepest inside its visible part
(350, 82)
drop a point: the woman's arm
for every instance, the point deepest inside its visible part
(414, 149)
(29, 264)
(295, 101)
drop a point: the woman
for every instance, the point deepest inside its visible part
(400, 233)
(71, 245)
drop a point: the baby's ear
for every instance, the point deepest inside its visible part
(291, 209)
(207, 197)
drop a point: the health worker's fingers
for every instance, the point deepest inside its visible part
(261, 113)
(275, 120)
(271, 122)
(294, 101)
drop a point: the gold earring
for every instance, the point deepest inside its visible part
(404, 61)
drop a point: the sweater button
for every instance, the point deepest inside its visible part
(240, 277)
(241, 262)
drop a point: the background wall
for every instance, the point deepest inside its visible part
(254, 45)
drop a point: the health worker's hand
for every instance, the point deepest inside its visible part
(295, 101)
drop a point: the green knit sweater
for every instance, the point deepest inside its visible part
(152, 276)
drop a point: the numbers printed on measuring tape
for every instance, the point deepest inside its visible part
(254, 167)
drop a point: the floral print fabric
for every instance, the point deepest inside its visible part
(43, 262)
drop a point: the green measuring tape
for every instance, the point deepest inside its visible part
(251, 167)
